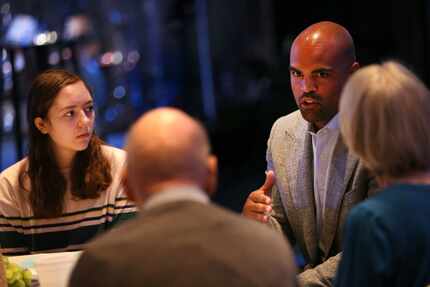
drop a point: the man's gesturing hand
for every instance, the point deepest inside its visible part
(258, 203)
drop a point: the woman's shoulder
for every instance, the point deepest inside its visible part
(113, 153)
(10, 185)
(115, 156)
(12, 172)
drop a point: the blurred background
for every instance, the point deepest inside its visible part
(224, 62)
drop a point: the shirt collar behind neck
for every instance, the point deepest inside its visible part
(172, 194)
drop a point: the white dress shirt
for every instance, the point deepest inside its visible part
(323, 144)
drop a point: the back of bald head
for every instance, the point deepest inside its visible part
(330, 35)
(166, 145)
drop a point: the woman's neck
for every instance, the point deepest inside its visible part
(64, 158)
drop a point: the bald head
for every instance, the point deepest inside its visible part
(327, 35)
(165, 146)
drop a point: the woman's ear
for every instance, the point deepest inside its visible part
(41, 125)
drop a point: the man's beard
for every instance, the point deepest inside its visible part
(319, 113)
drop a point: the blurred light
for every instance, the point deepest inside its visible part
(19, 61)
(45, 38)
(22, 30)
(117, 58)
(52, 37)
(54, 58)
(7, 68)
(40, 39)
(77, 26)
(133, 57)
(67, 54)
(3, 54)
(8, 116)
(106, 59)
(119, 92)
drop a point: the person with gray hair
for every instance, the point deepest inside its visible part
(384, 116)
(179, 238)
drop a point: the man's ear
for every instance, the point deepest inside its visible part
(354, 67)
(212, 178)
(41, 125)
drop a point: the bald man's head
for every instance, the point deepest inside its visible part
(167, 146)
(328, 35)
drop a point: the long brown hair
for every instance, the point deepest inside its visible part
(90, 173)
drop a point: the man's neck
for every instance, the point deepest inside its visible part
(317, 126)
(332, 122)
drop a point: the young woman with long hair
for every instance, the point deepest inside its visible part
(68, 189)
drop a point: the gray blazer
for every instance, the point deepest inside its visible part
(187, 243)
(290, 156)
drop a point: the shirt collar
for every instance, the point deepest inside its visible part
(332, 125)
(188, 192)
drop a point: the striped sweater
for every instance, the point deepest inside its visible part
(82, 219)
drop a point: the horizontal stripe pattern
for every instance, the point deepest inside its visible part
(60, 235)
(117, 205)
(83, 219)
(34, 227)
(51, 241)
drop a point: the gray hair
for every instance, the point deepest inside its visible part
(384, 118)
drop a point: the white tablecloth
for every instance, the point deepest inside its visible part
(49, 269)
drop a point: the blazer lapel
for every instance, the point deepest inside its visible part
(299, 171)
(340, 172)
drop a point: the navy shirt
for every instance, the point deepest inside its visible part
(387, 239)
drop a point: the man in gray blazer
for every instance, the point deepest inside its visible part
(179, 238)
(317, 179)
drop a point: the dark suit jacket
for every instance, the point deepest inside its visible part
(290, 156)
(187, 243)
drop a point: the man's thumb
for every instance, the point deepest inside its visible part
(270, 181)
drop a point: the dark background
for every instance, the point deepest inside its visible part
(224, 62)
